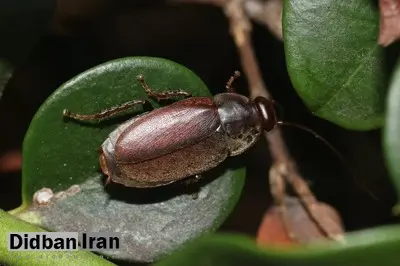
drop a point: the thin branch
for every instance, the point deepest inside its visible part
(241, 31)
(283, 168)
(264, 12)
(267, 13)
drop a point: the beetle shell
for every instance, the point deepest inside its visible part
(180, 140)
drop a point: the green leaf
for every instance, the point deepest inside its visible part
(379, 246)
(11, 224)
(391, 132)
(334, 60)
(59, 153)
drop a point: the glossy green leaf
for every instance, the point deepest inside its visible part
(334, 60)
(379, 246)
(59, 153)
(392, 132)
(30, 258)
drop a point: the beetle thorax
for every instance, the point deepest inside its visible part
(240, 121)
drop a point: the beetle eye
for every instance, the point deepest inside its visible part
(266, 112)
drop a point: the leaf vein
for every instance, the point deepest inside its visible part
(344, 86)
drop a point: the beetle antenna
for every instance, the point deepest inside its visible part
(315, 135)
(280, 107)
(338, 154)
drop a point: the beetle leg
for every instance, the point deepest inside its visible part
(106, 113)
(104, 168)
(228, 86)
(108, 181)
(193, 180)
(161, 95)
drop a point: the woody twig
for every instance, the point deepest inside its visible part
(283, 169)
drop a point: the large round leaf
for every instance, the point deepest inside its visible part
(59, 153)
(379, 246)
(334, 60)
(392, 131)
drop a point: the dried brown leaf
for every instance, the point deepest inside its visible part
(273, 231)
(389, 21)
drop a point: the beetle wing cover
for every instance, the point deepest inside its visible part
(175, 166)
(168, 129)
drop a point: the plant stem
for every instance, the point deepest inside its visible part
(265, 12)
(283, 168)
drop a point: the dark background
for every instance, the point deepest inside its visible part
(85, 33)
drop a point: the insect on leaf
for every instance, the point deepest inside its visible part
(61, 154)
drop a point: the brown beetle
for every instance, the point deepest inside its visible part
(183, 139)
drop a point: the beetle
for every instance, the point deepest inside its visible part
(180, 140)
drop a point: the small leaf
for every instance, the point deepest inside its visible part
(10, 224)
(379, 246)
(61, 154)
(392, 132)
(334, 60)
(273, 231)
